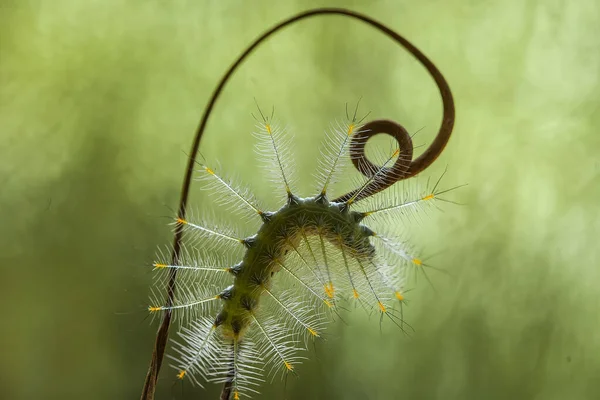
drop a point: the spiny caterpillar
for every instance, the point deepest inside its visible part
(304, 260)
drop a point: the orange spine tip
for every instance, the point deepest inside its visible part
(181, 374)
(159, 265)
(381, 306)
(428, 197)
(350, 129)
(181, 221)
(313, 332)
(210, 171)
(330, 290)
(154, 309)
(268, 128)
(399, 296)
(355, 294)
(417, 261)
(289, 366)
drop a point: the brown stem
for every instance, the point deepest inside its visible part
(226, 392)
(413, 168)
(228, 385)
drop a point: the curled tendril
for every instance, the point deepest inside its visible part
(404, 167)
(390, 175)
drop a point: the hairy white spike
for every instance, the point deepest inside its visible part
(396, 248)
(409, 202)
(299, 313)
(190, 304)
(273, 148)
(314, 270)
(331, 161)
(191, 301)
(200, 351)
(393, 277)
(217, 236)
(194, 268)
(355, 292)
(405, 254)
(277, 346)
(227, 193)
(304, 284)
(239, 364)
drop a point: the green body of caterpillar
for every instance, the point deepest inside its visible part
(281, 232)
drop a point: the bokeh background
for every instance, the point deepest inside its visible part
(98, 104)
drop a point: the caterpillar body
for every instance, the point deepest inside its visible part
(305, 258)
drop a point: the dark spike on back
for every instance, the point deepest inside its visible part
(266, 216)
(357, 216)
(236, 325)
(236, 269)
(249, 241)
(227, 293)
(367, 231)
(248, 303)
(292, 199)
(221, 317)
(322, 199)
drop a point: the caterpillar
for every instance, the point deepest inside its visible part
(249, 319)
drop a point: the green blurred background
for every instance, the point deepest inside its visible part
(98, 104)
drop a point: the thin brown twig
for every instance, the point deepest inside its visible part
(228, 385)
